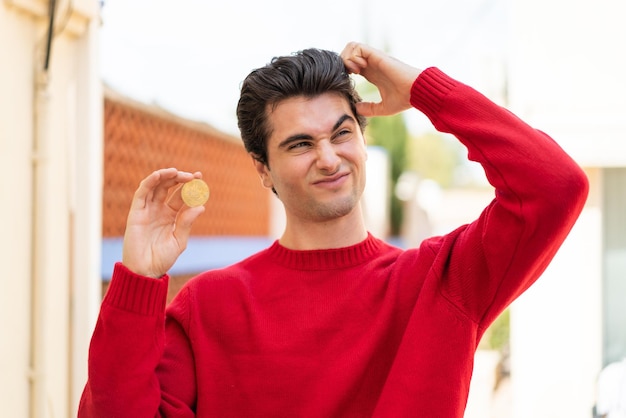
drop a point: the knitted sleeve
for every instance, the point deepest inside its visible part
(539, 193)
(126, 373)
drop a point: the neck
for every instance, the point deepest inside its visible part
(334, 233)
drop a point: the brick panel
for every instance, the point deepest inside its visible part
(139, 139)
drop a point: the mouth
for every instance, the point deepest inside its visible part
(331, 181)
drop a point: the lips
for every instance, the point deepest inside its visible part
(330, 180)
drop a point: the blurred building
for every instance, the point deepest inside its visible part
(51, 153)
(73, 154)
(139, 139)
(566, 77)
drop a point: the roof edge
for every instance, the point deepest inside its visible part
(155, 110)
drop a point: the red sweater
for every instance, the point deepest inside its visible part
(368, 330)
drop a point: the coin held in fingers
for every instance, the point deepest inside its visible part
(195, 193)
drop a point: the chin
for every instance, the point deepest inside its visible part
(336, 209)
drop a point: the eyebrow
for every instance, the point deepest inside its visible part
(299, 137)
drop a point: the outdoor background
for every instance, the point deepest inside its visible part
(95, 94)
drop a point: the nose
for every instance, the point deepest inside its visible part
(327, 158)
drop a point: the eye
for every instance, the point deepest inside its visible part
(342, 134)
(299, 145)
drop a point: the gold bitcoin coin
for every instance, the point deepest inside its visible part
(195, 193)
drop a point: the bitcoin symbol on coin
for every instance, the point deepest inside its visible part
(195, 193)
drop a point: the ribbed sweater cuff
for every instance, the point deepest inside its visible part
(131, 292)
(430, 89)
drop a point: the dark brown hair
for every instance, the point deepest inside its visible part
(308, 73)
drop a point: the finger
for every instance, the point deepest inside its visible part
(167, 181)
(348, 49)
(146, 188)
(174, 199)
(184, 222)
(354, 57)
(355, 64)
(369, 109)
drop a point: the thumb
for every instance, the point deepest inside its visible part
(369, 109)
(185, 221)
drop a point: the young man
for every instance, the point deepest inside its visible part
(329, 321)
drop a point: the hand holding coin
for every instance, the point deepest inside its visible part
(195, 193)
(158, 225)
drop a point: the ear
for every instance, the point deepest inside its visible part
(364, 143)
(263, 171)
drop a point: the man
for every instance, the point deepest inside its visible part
(329, 321)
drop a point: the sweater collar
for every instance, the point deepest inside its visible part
(326, 259)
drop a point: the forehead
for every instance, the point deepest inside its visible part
(307, 115)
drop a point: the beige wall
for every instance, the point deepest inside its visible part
(566, 78)
(556, 326)
(50, 143)
(15, 143)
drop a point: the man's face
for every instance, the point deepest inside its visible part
(316, 157)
